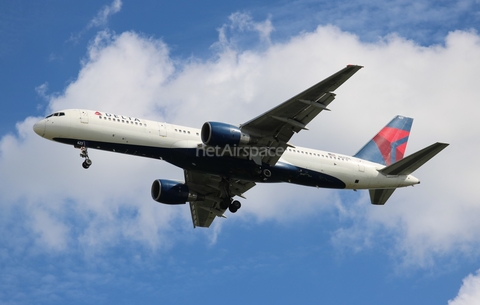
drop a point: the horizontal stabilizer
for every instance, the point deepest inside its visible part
(409, 164)
(380, 196)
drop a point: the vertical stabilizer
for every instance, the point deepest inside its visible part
(389, 145)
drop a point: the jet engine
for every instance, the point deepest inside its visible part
(222, 134)
(173, 192)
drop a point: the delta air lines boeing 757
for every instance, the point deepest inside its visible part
(221, 161)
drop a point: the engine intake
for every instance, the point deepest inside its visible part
(222, 134)
(172, 192)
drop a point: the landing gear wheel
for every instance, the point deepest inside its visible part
(234, 206)
(84, 154)
(86, 164)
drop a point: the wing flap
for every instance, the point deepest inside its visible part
(203, 213)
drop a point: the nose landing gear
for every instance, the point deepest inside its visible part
(84, 154)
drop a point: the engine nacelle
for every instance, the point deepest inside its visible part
(172, 192)
(221, 134)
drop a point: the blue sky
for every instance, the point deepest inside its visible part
(79, 237)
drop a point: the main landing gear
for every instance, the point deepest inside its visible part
(231, 205)
(84, 154)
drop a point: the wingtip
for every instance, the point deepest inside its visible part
(358, 66)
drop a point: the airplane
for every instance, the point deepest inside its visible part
(222, 161)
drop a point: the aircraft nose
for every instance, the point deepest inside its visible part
(39, 128)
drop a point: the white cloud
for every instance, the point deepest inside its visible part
(135, 75)
(101, 18)
(124, 72)
(426, 22)
(435, 218)
(42, 90)
(469, 293)
(241, 24)
(52, 233)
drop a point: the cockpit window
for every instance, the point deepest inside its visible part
(55, 114)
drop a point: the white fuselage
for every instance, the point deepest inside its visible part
(145, 138)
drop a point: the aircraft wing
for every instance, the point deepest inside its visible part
(215, 189)
(275, 127)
